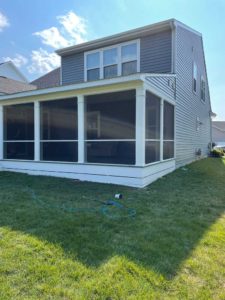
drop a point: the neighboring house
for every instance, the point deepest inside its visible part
(51, 79)
(9, 70)
(218, 132)
(132, 107)
(12, 80)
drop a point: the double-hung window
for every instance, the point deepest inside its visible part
(195, 74)
(129, 59)
(202, 89)
(93, 66)
(109, 62)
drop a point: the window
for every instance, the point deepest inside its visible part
(59, 130)
(110, 128)
(202, 89)
(129, 59)
(93, 66)
(152, 133)
(110, 61)
(195, 74)
(19, 131)
(168, 131)
(122, 59)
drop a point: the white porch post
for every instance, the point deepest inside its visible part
(80, 111)
(1, 132)
(161, 127)
(36, 131)
(140, 126)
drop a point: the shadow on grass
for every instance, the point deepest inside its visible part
(172, 215)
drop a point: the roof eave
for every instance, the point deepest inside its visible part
(134, 33)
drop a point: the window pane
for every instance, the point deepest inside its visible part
(129, 52)
(110, 56)
(19, 122)
(203, 90)
(93, 74)
(168, 150)
(93, 60)
(152, 116)
(59, 119)
(111, 152)
(110, 71)
(152, 151)
(195, 73)
(129, 68)
(168, 130)
(19, 150)
(110, 116)
(59, 151)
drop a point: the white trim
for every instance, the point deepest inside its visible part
(36, 131)
(1, 132)
(119, 58)
(80, 87)
(140, 126)
(81, 129)
(182, 25)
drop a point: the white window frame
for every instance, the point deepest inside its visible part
(119, 63)
(193, 77)
(202, 80)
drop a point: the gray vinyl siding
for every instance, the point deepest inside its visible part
(189, 48)
(73, 68)
(155, 57)
(156, 53)
(166, 84)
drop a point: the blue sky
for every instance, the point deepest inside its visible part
(30, 31)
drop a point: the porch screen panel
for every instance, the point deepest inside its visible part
(59, 130)
(168, 131)
(19, 131)
(110, 128)
(152, 130)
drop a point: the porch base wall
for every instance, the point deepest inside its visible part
(122, 175)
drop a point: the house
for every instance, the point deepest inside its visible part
(131, 108)
(9, 70)
(51, 79)
(12, 80)
(218, 133)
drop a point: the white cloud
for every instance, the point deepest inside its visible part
(43, 62)
(3, 21)
(75, 26)
(52, 37)
(19, 60)
(72, 30)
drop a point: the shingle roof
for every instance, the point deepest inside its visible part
(219, 124)
(48, 80)
(11, 86)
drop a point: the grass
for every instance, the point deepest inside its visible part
(174, 248)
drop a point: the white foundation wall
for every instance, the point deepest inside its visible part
(122, 175)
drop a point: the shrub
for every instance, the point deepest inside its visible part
(217, 153)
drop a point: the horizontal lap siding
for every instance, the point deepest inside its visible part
(155, 53)
(73, 68)
(166, 84)
(188, 105)
(155, 57)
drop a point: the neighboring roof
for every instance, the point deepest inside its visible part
(48, 80)
(219, 125)
(11, 86)
(9, 70)
(123, 36)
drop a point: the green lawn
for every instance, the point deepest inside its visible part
(174, 248)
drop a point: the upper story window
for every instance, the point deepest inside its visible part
(195, 74)
(109, 62)
(202, 89)
(93, 66)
